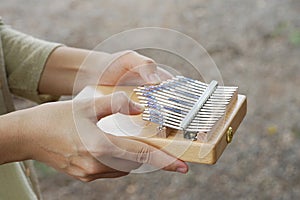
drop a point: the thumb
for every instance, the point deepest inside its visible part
(140, 152)
(117, 102)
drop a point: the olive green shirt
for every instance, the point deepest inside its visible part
(22, 60)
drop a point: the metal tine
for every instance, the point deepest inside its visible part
(187, 91)
(171, 95)
(184, 96)
(218, 100)
(173, 88)
(165, 123)
(216, 96)
(197, 106)
(170, 98)
(170, 112)
(210, 110)
(193, 87)
(175, 126)
(213, 117)
(204, 113)
(168, 116)
(227, 88)
(177, 85)
(222, 95)
(215, 106)
(224, 91)
(191, 81)
(166, 97)
(167, 103)
(166, 106)
(200, 116)
(214, 102)
(209, 121)
(203, 116)
(193, 124)
(221, 89)
(186, 82)
(166, 112)
(188, 87)
(196, 119)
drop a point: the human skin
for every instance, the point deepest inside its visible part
(48, 132)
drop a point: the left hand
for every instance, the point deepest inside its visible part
(132, 68)
(68, 70)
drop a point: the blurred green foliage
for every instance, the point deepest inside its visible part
(287, 30)
(296, 130)
(294, 37)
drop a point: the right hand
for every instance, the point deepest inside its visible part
(52, 138)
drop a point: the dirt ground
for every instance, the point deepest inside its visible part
(255, 44)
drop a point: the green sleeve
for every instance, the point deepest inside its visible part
(25, 58)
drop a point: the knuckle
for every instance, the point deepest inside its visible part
(100, 149)
(129, 52)
(126, 53)
(92, 169)
(149, 61)
(144, 155)
(121, 97)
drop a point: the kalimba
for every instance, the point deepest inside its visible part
(189, 119)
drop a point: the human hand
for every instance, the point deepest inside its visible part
(132, 68)
(54, 137)
(68, 70)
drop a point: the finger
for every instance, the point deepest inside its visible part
(163, 74)
(142, 153)
(105, 175)
(119, 164)
(90, 165)
(116, 102)
(144, 66)
(149, 73)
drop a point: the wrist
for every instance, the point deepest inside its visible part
(65, 65)
(14, 144)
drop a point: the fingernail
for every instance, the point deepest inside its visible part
(153, 78)
(139, 107)
(182, 170)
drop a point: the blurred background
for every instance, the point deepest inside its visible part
(255, 44)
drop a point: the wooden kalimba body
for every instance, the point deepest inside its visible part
(186, 118)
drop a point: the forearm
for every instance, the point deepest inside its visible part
(62, 67)
(13, 141)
